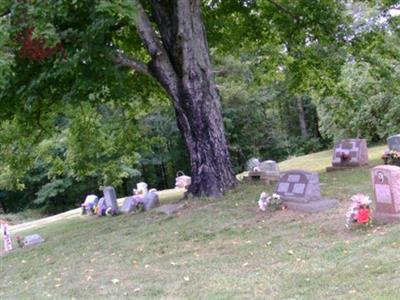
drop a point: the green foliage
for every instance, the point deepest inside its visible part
(365, 102)
(52, 189)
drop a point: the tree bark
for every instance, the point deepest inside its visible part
(181, 63)
(302, 116)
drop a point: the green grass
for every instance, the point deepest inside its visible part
(223, 249)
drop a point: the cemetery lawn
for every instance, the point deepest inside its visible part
(223, 249)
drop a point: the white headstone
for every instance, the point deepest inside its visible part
(141, 188)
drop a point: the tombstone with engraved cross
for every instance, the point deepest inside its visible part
(386, 184)
(349, 153)
(300, 190)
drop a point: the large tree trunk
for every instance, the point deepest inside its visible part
(302, 116)
(181, 63)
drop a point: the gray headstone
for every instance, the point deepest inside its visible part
(394, 142)
(300, 190)
(33, 239)
(111, 197)
(128, 205)
(101, 206)
(270, 167)
(252, 163)
(150, 201)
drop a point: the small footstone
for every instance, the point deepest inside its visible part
(33, 239)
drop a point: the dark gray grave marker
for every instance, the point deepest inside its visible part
(300, 190)
(110, 197)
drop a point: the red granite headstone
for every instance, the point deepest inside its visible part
(386, 184)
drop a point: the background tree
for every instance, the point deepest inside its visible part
(70, 45)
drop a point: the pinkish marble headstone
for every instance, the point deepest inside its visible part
(386, 184)
(350, 153)
(300, 190)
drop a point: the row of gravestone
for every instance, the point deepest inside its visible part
(301, 190)
(141, 200)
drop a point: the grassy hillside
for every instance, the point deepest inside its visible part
(215, 250)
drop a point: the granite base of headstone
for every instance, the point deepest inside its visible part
(33, 239)
(386, 185)
(300, 190)
(349, 153)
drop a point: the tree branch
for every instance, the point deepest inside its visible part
(160, 64)
(130, 62)
(147, 33)
(5, 13)
(284, 9)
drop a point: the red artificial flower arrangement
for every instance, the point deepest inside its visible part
(360, 211)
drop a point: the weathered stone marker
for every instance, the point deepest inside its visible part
(270, 167)
(110, 197)
(349, 153)
(394, 142)
(150, 201)
(267, 171)
(300, 190)
(128, 205)
(386, 184)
